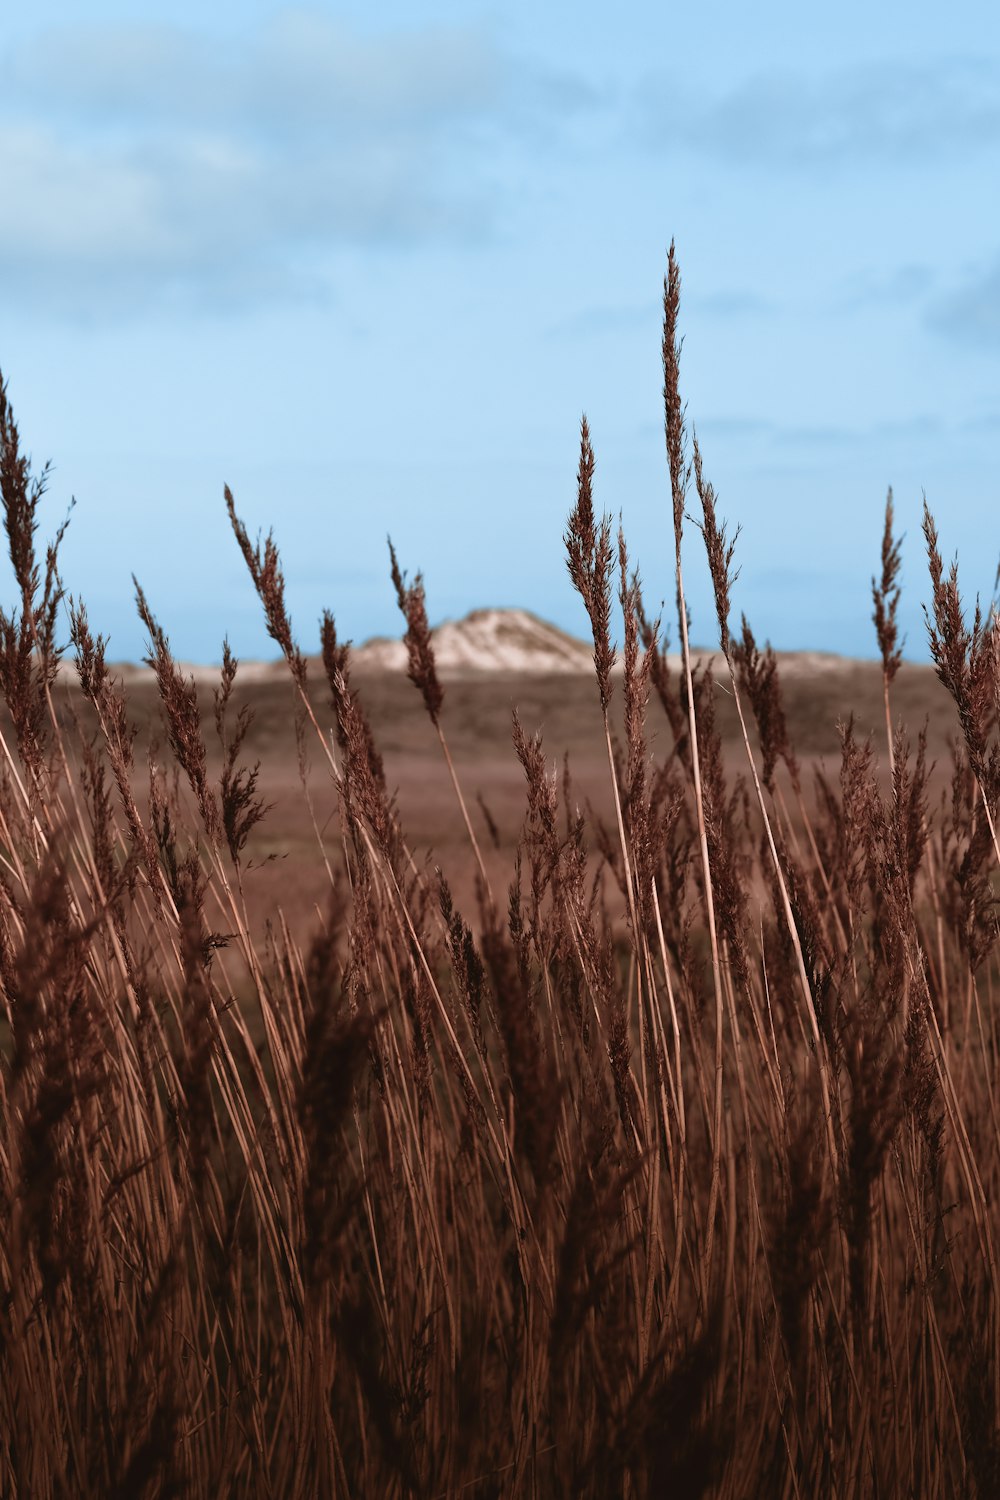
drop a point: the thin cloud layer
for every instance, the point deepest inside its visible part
(302, 72)
(972, 313)
(146, 165)
(888, 113)
(902, 287)
(741, 433)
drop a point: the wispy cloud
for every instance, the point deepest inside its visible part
(148, 163)
(201, 219)
(734, 304)
(735, 429)
(900, 287)
(796, 579)
(971, 313)
(987, 422)
(302, 72)
(875, 435)
(815, 437)
(878, 112)
(790, 440)
(599, 320)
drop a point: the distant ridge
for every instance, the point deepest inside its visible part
(514, 641)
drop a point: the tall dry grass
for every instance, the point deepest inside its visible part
(529, 1201)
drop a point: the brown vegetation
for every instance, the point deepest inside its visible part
(668, 1167)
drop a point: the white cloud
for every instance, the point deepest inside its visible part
(303, 71)
(145, 164)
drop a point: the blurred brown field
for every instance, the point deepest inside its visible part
(287, 872)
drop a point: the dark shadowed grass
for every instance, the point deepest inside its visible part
(667, 1164)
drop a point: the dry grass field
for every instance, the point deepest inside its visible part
(476, 715)
(632, 1134)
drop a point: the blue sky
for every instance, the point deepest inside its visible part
(368, 265)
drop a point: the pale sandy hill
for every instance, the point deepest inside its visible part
(490, 640)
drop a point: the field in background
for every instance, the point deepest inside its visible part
(819, 696)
